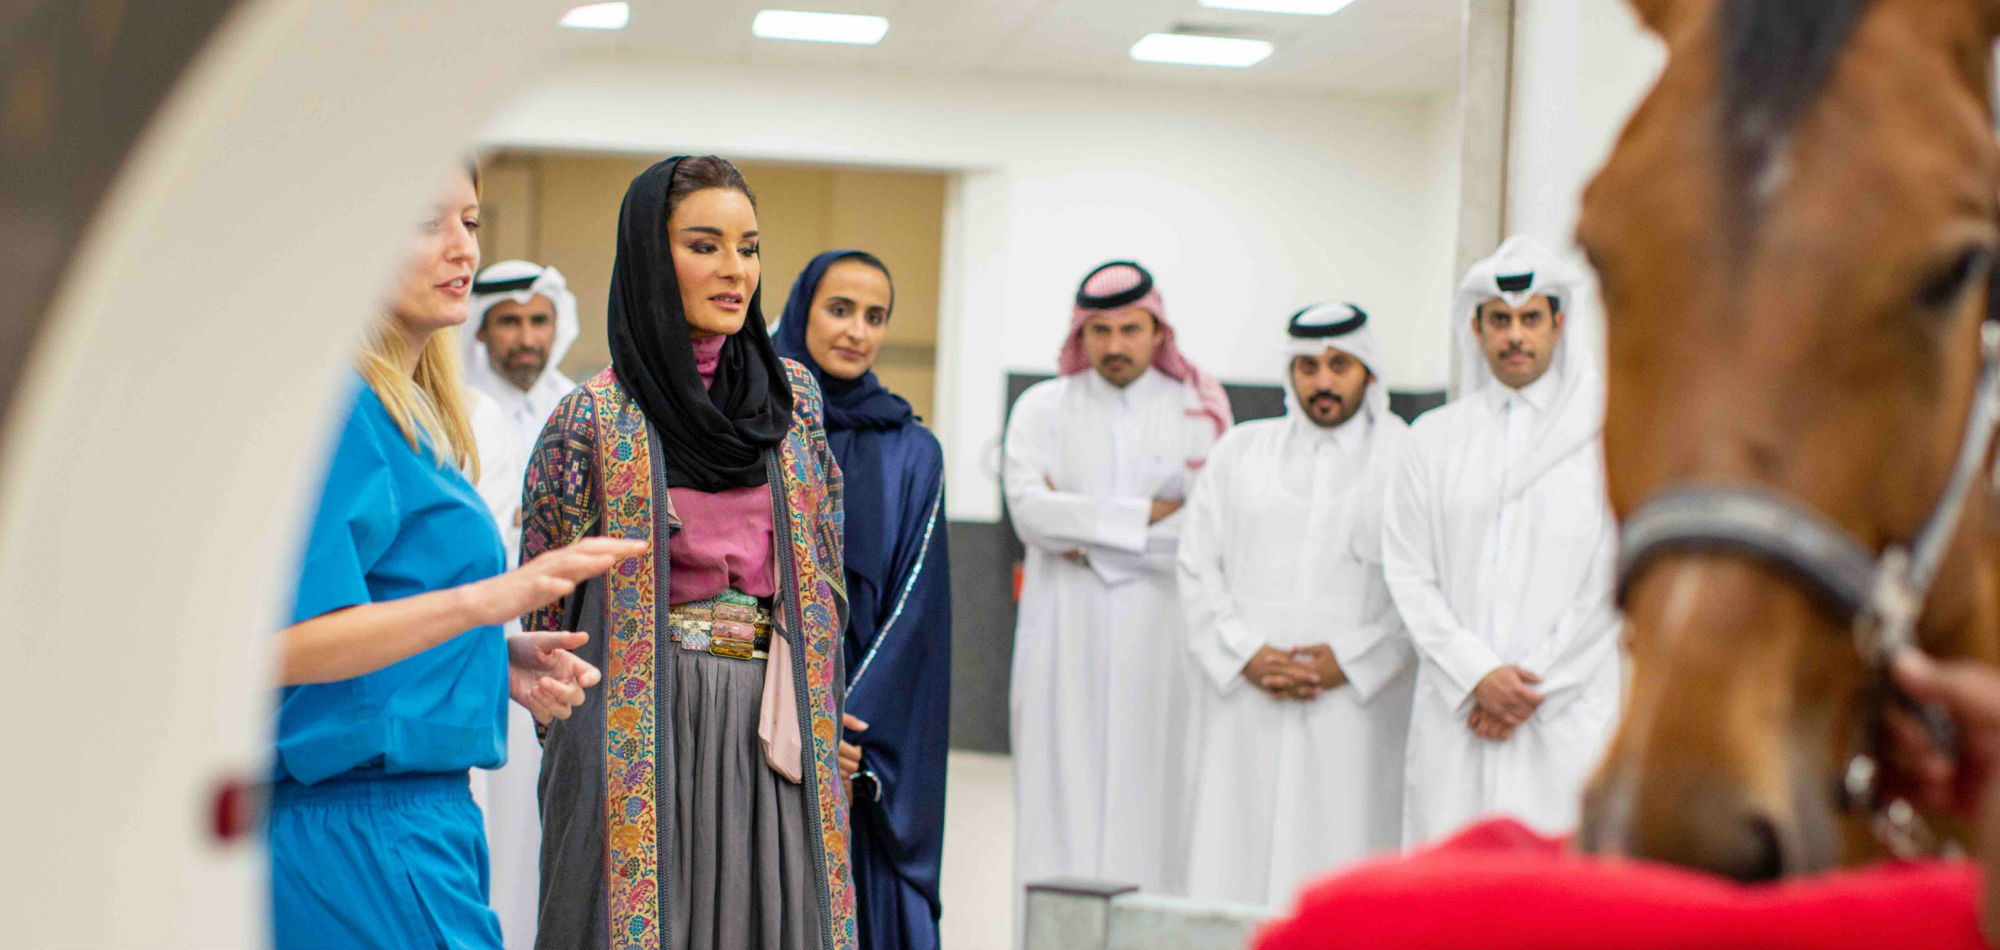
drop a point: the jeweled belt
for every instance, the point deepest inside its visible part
(732, 625)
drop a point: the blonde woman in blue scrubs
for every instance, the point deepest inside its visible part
(395, 671)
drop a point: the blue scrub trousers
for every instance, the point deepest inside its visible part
(380, 861)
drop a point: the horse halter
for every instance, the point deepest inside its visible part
(1881, 596)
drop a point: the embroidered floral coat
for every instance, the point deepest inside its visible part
(598, 470)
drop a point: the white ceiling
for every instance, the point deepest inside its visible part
(1372, 46)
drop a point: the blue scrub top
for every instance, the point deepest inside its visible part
(393, 522)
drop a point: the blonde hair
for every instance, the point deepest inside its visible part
(430, 405)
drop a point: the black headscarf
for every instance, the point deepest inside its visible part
(718, 438)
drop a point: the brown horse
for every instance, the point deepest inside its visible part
(1794, 235)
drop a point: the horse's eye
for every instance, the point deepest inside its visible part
(1944, 287)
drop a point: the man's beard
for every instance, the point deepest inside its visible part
(523, 375)
(1342, 409)
(1114, 367)
(1501, 359)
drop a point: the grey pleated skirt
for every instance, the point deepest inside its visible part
(742, 875)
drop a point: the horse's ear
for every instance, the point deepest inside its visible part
(1663, 16)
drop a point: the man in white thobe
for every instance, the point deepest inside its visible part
(523, 320)
(1298, 763)
(1098, 463)
(523, 323)
(1498, 547)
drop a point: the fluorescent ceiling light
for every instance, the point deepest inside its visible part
(598, 16)
(1194, 50)
(819, 27)
(1305, 7)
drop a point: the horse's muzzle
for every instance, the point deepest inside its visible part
(1688, 820)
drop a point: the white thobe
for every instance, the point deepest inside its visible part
(1482, 582)
(1100, 680)
(522, 414)
(507, 432)
(1282, 548)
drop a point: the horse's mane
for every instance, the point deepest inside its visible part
(1775, 58)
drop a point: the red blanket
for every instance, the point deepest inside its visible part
(1498, 884)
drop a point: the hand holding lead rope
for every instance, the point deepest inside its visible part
(1940, 745)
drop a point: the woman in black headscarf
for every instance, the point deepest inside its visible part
(898, 644)
(697, 800)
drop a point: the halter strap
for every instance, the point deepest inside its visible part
(1927, 554)
(1757, 523)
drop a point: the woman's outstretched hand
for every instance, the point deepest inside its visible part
(544, 677)
(358, 640)
(547, 578)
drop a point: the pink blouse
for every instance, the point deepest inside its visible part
(726, 537)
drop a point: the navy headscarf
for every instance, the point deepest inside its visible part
(850, 403)
(853, 406)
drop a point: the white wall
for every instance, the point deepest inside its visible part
(1580, 67)
(1246, 206)
(1428, 338)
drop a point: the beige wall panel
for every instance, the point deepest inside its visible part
(507, 210)
(900, 219)
(578, 214)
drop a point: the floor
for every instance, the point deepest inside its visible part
(978, 874)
